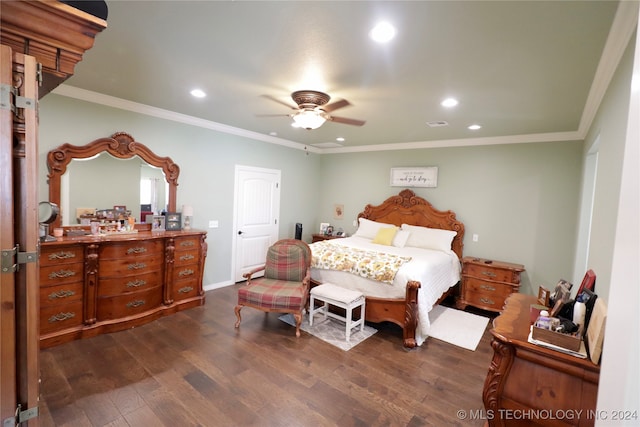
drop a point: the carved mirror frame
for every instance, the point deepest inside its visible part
(120, 145)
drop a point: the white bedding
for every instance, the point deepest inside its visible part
(436, 271)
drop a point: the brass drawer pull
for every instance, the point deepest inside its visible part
(187, 272)
(186, 257)
(187, 243)
(136, 283)
(61, 317)
(489, 273)
(185, 290)
(135, 304)
(61, 255)
(487, 288)
(138, 250)
(136, 266)
(61, 274)
(61, 294)
(487, 301)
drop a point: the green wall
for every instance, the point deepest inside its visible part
(520, 199)
(207, 161)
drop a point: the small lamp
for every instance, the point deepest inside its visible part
(187, 213)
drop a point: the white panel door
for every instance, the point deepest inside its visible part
(257, 210)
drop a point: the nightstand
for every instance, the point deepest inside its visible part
(486, 284)
(320, 237)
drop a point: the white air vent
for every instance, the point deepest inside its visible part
(437, 124)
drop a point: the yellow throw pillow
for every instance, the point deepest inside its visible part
(385, 235)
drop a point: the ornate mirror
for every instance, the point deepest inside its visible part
(120, 146)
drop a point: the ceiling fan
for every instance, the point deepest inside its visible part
(312, 109)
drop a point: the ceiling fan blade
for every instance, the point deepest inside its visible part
(346, 121)
(280, 102)
(273, 115)
(335, 105)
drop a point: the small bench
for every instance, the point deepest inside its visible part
(330, 294)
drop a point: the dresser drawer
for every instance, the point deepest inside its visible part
(187, 243)
(186, 257)
(185, 272)
(127, 284)
(490, 272)
(53, 275)
(134, 249)
(133, 266)
(120, 306)
(61, 255)
(60, 294)
(185, 289)
(62, 316)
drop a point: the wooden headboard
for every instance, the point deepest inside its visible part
(407, 208)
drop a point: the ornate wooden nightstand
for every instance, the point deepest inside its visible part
(486, 284)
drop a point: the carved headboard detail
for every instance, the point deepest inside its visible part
(407, 208)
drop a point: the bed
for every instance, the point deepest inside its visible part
(424, 276)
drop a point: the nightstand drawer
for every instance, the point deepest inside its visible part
(489, 272)
(490, 289)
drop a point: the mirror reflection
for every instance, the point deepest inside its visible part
(110, 176)
(92, 187)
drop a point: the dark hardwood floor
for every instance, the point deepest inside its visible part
(195, 369)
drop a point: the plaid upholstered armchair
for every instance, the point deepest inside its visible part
(285, 285)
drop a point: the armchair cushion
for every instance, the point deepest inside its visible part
(286, 262)
(273, 294)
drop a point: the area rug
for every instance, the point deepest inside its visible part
(331, 330)
(457, 327)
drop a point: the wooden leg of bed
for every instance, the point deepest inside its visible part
(411, 315)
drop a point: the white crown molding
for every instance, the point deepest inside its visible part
(123, 104)
(624, 24)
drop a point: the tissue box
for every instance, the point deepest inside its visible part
(567, 341)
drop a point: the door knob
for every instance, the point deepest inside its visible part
(239, 232)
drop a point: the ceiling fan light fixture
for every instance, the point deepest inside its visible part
(309, 119)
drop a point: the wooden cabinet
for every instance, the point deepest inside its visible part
(486, 284)
(320, 237)
(532, 385)
(92, 285)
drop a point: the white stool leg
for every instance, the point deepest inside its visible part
(311, 310)
(349, 317)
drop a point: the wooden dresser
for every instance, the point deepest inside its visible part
(486, 284)
(532, 385)
(92, 285)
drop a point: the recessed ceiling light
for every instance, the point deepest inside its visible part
(382, 32)
(273, 133)
(198, 93)
(449, 102)
(340, 139)
(474, 127)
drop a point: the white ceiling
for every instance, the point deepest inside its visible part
(519, 68)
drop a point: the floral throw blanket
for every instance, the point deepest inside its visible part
(370, 264)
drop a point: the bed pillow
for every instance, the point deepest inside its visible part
(369, 229)
(385, 235)
(400, 239)
(429, 238)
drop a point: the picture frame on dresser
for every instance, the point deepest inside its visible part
(156, 221)
(173, 221)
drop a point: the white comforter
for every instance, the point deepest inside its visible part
(436, 271)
